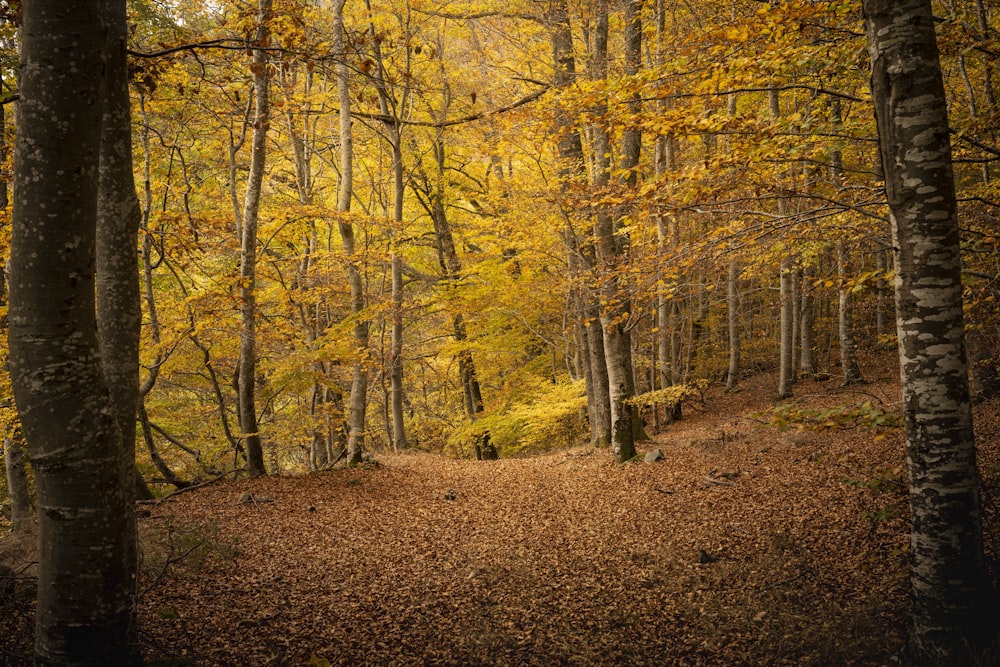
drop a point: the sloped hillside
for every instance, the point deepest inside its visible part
(746, 545)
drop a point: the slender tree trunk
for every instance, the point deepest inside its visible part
(807, 317)
(84, 607)
(949, 586)
(733, 314)
(21, 519)
(786, 353)
(616, 337)
(359, 386)
(882, 322)
(389, 105)
(845, 320)
(248, 251)
(573, 169)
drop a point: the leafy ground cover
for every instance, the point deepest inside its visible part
(749, 544)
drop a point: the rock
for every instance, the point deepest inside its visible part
(654, 455)
(450, 494)
(705, 558)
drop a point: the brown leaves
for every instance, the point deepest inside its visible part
(562, 559)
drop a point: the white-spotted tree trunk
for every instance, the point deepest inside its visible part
(948, 584)
(84, 607)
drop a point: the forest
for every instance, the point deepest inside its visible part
(381, 242)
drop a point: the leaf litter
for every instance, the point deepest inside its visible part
(799, 558)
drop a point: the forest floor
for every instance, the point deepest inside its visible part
(750, 544)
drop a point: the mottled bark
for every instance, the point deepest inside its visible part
(84, 607)
(949, 587)
(247, 376)
(119, 311)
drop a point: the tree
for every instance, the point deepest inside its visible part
(248, 248)
(84, 606)
(359, 386)
(947, 575)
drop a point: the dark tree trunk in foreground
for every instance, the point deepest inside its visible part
(949, 588)
(84, 602)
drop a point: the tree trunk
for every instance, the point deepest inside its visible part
(787, 352)
(807, 318)
(573, 169)
(845, 321)
(119, 309)
(84, 607)
(358, 406)
(733, 314)
(949, 586)
(17, 486)
(389, 106)
(248, 249)
(613, 311)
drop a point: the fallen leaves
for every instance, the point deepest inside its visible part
(795, 554)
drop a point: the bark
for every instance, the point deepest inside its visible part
(613, 311)
(21, 519)
(786, 352)
(246, 384)
(573, 169)
(845, 322)
(359, 385)
(949, 586)
(807, 318)
(389, 107)
(451, 270)
(84, 606)
(733, 314)
(119, 311)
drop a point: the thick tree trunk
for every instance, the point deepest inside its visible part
(248, 250)
(84, 607)
(119, 310)
(949, 586)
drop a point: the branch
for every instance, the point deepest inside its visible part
(383, 118)
(227, 43)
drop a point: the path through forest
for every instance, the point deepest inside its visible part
(748, 545)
